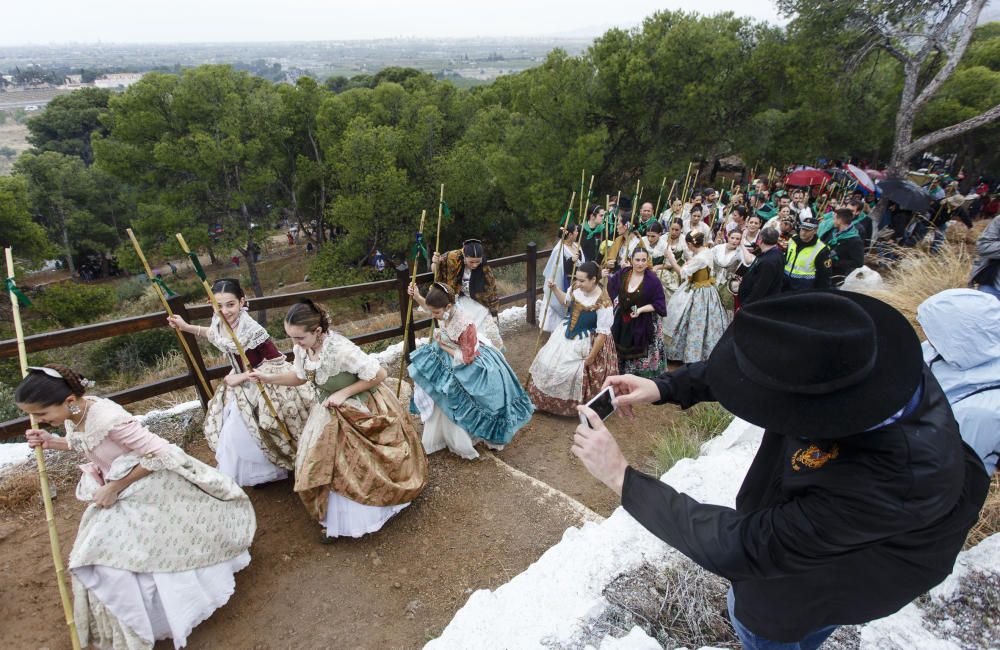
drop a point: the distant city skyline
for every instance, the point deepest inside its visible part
(58, 22)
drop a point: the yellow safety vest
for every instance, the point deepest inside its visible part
(802, 265)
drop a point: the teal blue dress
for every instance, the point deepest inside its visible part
(482, 396)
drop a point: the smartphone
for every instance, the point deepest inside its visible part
(602, 404)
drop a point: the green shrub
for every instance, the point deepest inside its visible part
(687, 432)
(130, 354)
(131, 289)
(71, 304)
(8, 410)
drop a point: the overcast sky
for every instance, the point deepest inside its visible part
(172, 21)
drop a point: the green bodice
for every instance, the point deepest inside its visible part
(337, 382)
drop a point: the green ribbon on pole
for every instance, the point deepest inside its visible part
(420, 249)
(444, 209)
(200, 272)
(21, 298)
(163, 286)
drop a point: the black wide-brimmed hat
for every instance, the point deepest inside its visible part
(818, 364)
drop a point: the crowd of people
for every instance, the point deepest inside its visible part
(626, 292)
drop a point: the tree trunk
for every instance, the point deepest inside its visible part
(211, 256)
(66, 246)
(249, 255)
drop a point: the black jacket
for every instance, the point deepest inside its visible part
(846, 255)
(764, 277)
(823, 533)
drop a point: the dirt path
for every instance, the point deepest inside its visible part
(476, 525)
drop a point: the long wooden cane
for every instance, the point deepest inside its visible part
(236, 341)
(409, 308)
(557, 252)
(43, 474)
(170, 312)
(663, 186)
(437, 244)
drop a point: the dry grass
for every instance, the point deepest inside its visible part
(918, 275)
(989, 516)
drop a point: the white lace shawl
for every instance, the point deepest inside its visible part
(337, 355)
(455, 326)
(102, 416)
(250, 333)
(705, 259)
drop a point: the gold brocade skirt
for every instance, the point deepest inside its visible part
(370, 454)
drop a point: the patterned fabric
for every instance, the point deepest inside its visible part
(249, 332)
(483, 397)
(591, 377)
(338, 354)
(372, 455)
(365, 450)
(292, 404)
(654, 363)
(184, 515)
(696, 318)
(451, 274)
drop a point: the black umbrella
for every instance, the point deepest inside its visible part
(905, 193)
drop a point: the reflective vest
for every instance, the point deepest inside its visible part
(801, 265)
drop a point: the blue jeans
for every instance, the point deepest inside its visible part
(751, 641)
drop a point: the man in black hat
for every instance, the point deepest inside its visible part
(807, 260)
(861, 493)
(765, 276)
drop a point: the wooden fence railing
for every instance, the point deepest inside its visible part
(98, 331)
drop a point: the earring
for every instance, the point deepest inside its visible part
(74, 409)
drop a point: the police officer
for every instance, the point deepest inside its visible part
(807, 260)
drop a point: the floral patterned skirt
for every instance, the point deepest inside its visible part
(654, 363)
(696, 323)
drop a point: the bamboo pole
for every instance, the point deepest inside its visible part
(437, 243)
(409, 308)
(239, 346)
(670, 194)
(583, 179)
(557, 251)
(43, 474)
(659, 196)
(170, 312)
(583, 218)
(686, 187)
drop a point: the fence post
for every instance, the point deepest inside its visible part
(177, 304)
(402, 283)
(531, 291)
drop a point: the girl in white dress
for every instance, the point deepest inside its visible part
(359, 460)
(164, 533)
(248, 442)
(571, 367)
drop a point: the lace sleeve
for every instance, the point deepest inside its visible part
(605, 318)
(298, 362)
(354, 360)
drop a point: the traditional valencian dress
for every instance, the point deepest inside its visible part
(559, 379)
(248, 443)
(640, 338)
(161, 559)
(464, 400)
(695, 318)
(476, 294)
(668, 278)
(360, 463)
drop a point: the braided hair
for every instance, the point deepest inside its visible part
(50, 385)
(440, 296)
(309, 315)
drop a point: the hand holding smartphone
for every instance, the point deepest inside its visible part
(602, 404)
